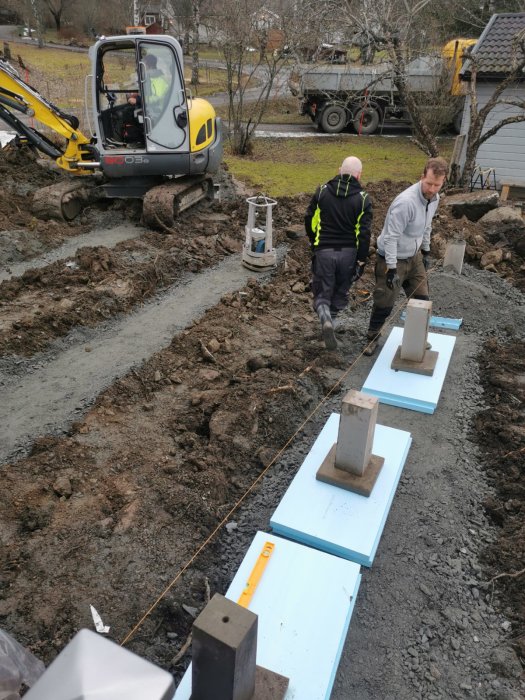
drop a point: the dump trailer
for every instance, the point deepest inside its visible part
(365, 97)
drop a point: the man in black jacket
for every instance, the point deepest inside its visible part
(338, 222)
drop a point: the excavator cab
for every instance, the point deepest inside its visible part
(145, 125)
(147, 136)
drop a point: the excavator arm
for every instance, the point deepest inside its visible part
(77, 155)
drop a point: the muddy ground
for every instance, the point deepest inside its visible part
(106, 504)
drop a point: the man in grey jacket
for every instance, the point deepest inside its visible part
(403, 246)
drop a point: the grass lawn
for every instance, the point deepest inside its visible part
(280, 167)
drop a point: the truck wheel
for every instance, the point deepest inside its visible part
(366, 120)
(333, 119)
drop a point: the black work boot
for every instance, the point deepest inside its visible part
(372, 338)
(327, 327)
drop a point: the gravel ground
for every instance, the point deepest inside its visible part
(425, 623)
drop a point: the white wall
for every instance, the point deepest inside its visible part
(505, 151)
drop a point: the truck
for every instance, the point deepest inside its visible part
(366, 97)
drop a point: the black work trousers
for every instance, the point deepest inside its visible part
(332, 272)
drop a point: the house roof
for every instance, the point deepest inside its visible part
(494, 50)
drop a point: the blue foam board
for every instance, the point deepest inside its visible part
(406, 389)
(304, 601)
(335, 520)
(452, 324)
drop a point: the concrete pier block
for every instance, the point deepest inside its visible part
(350, 463)
(356, 432)
(224, 650)
(454, 254)
(416, 330)
(412, 355)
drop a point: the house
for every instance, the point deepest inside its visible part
(493, 53)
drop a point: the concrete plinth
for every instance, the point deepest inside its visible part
(409, 389)
(350, 464)
(416, 330)
(224, 649)
(426, 366)
(454, 254)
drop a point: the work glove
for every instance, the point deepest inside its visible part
(358, 271)
(392, 280)
(426, 258)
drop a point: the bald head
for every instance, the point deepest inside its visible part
(351, 166)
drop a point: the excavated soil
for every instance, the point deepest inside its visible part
(111, 512)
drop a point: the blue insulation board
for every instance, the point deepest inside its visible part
(335, 520)
(304, 601)
(451, 324)
(406, 389)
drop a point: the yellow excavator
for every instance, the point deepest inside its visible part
(148, 138)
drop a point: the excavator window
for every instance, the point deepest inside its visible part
(165, 108)
(141, 98)
(119, 99)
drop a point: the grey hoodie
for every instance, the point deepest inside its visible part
(407, 225)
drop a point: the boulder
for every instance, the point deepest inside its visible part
(473, 205)
(503, 215)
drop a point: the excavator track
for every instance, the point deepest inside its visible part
(64, 200)
(162, 204)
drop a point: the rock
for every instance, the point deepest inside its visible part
(294, 232)
(231, 526)
(214, 345)
(424, 589)
(209, 375)
(157, 376)
(473, 205)
(434, 671)
(266, 456)
(298, 287)
(491, 257)
(190, 610)
(62, 486)
(256, 362)
(455, 643)
(503, 215)
(505, 662)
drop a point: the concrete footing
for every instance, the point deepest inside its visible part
(412, 355)
(350, 463)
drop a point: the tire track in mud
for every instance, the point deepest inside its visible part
(58, 392)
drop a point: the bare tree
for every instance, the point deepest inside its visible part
(56, 8)
(476, 136)
(252, 65)
(407, 30)
(195, 27)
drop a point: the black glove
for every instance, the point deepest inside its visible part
(358, 271)
(392, 280)
(426, 258)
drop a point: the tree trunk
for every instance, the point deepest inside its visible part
(195, 41)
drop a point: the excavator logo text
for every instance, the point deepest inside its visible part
(126, 160)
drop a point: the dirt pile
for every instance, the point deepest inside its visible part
(22, 235)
